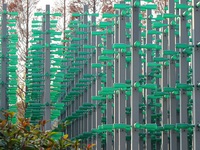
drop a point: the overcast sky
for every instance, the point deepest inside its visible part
(42, 3)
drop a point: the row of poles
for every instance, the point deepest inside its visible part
(103, 103)
(99, 111)
(43, 79)
(35, 98)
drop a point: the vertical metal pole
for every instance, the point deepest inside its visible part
(73, 123)
(183, 77)
(148, 80)
(196, 72)
(43, 57)
(76, 80)
(85, 98)
(89, 71)
(164, 84)
(122, 70)
(116, 80)
(172, 78)
(98, 87)
(177, 74)
(158, 82)
(46, 99)
(67, 114)
(80, 74)
(109, 83)
(135, 71)
(93, 89)
(128, 77)
(4, 60)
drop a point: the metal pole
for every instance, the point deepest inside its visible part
(148, 80)
(164, 83)
(158, 82)
(196, 72)
(93, 71)
(98, 87)
(135, 71)
(46, 99)
(177, 74)
(85, 96)
(172, 78)
(89, 71)
(183, 77)
(116, 80)
(128, 78)
(4, 60)
(109, 83)
(122, 70)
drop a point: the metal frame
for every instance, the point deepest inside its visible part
(124, 71)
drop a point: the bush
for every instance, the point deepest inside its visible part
(26, 136)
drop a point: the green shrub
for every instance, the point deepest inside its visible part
(26, 136)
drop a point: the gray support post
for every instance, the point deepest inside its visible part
(93, 58)
(67, 114)
(77, 76)
(80, 74)
(116, 80)
(109, 83)
(72, 124)
(136, 70)
(177, 74)
(183, 77)
(93, 89)
(46, 99)
(196, 72)
(148, 79)
(4, 60)
(76, 127)
(158, 55)
(98, 87)
(164, 83)
(89, 71)
(77, 98)
(85, 98)
(128, 77)
(43, 50)
(76, 121)
(121, 71)
(172, 78)
(158, 82)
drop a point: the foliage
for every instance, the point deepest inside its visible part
(25, 136)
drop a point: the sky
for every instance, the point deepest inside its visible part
(42, 3)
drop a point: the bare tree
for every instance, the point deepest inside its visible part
(161, 5)
(61, 7)
(95, 6)
(66, 8)
(25, 9)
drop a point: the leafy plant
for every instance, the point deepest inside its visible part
(26, 136)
